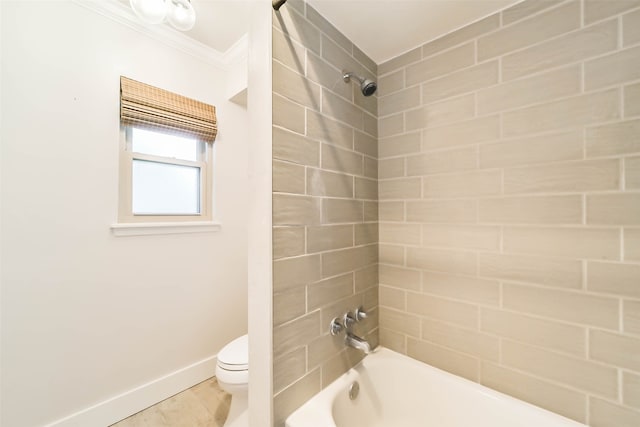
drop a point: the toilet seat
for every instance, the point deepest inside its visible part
(231, 367)
(235, 355)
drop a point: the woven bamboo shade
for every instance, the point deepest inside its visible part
(147, 106)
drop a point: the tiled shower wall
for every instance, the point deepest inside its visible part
(325, 209)
(509, 186)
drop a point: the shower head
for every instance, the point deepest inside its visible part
(368, 87)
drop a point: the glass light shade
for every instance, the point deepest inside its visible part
(181, 14)
(150, 11)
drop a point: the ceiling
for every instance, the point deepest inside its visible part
(382, 29)
(220, 23)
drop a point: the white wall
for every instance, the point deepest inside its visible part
(86, 315)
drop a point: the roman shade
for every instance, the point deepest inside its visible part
(147, 106)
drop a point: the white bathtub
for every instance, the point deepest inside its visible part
(397, 391)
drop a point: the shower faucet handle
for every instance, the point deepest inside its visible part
(360, 314)
(348, 320)
(335, 327)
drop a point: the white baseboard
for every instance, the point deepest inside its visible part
(128, 403)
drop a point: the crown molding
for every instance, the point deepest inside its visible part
(122, 13)
(238, 51)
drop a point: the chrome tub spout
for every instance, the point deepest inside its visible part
(355, 341)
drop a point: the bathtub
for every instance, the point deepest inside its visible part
(397, 391)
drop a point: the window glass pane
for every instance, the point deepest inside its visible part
(165, 145)
(165, 189)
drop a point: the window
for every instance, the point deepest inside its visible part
(164, 177)
(165, 156)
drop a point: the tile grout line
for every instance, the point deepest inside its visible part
(620, 396)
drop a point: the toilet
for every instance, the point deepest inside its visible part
(232, 372)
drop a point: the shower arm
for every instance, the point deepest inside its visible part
(348, 75)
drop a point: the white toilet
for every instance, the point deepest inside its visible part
(232, 372)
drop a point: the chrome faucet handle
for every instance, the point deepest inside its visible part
(348, 320)
(360, 314)
(335, 327)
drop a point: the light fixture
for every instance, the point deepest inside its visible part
(150, 11)
(179, 13)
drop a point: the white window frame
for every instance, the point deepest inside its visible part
(130, 223)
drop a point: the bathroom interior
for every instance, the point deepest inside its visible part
(456, 182)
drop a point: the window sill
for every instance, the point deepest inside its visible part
(151, 228)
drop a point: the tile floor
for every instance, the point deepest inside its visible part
(203, 405)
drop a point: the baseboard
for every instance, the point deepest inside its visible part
(128, 403)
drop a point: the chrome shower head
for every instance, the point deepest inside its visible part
(367, 87)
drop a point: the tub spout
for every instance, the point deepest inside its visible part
(356, 342)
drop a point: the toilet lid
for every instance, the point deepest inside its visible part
(235, 355)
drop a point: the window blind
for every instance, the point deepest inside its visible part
(147, 106)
